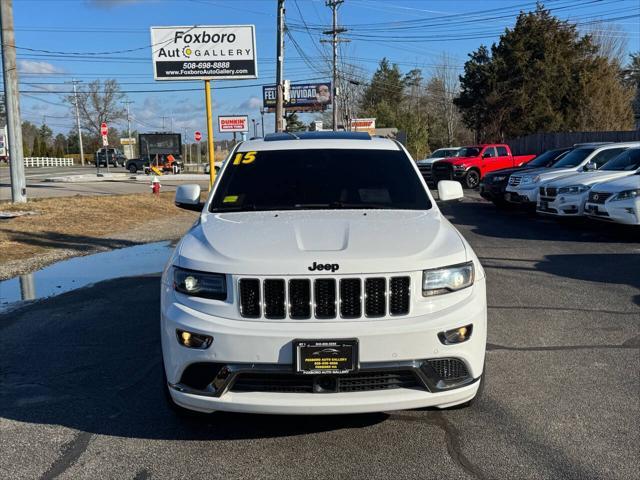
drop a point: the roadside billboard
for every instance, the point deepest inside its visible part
(363, 125)
(303, 97)
(209, 52)
(233, 123)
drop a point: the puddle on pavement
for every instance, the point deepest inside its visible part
(79, 272)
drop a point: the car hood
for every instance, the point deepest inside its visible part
(629, 182)
(588, 178)
(547, 174)
(288, 242)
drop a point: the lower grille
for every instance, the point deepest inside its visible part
(598, 197)
(352, 382)
(449, 368)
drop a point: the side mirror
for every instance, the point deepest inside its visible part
(188, 197)
(449, 190)
(590, 167)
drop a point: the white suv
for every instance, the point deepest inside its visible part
(523, 188)
(322, 278)
(566, 196)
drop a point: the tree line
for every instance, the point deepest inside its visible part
(542, 75)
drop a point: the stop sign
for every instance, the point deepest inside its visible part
(197, 136)
(104, 131)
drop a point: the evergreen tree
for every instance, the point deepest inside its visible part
(294, 124)
(35, 150)
(383, 97)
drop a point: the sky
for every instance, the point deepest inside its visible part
(61, 40)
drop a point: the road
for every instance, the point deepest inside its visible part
(37, 187)
(80, 378)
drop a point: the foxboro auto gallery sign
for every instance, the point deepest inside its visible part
(204, 52)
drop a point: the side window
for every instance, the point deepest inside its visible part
(490, 152)
(502, 152)
(603, 157)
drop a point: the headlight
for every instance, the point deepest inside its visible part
(462, 166)
(447, 279)
(574, 189)
(530, 180)
(200, 284)
(626, 195)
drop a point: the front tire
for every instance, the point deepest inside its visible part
(472, 179)
(133, 169)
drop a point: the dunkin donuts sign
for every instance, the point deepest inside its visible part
(236, 123)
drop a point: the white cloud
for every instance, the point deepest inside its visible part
(30, 66)
(253, 103)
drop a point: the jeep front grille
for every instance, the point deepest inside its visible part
(324, 298)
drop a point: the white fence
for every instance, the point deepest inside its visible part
(47, 162)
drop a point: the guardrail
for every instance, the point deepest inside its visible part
(47, 162)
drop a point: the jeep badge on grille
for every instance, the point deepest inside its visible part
(324, 266)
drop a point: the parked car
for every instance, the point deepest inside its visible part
(522, 189)
(116, 157)
(494, 184)
(424, 165)
(616, 200)
(566, 196)
(162, 162)
(474, 162)
(316, 285)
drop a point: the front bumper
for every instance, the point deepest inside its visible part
(492, 192)
(626, 211)
(396, 343)
(521, 196)
(562, 205)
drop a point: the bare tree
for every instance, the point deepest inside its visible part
(99, 103)
(611, 40)
(448, 86)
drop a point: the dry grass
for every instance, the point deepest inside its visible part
(78, 222)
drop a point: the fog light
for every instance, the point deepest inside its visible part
(193, 340)
(456, 335)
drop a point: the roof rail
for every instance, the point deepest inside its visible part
(329, 135)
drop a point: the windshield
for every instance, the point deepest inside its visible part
(319, 179)
(574, 158)
(626, 161)
(444, 152)
(469, 152)
(545, 159)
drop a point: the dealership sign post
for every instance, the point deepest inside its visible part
(206, 52)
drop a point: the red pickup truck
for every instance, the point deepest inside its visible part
(474, 162)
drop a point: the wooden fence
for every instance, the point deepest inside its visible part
(537, 143)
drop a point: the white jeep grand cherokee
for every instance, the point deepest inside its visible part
(321, 278)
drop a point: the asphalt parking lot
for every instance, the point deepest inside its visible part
(80, 380)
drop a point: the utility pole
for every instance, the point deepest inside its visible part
(334, 4)
(280, 67)
(75, 101)
(127, 103)
(12, 102)
(262, 120)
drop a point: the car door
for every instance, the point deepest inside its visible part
(488, 160)
(503, 159)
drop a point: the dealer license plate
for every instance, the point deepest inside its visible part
(319, 357)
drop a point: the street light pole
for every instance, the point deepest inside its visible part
(262, 120)
(280, 67)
